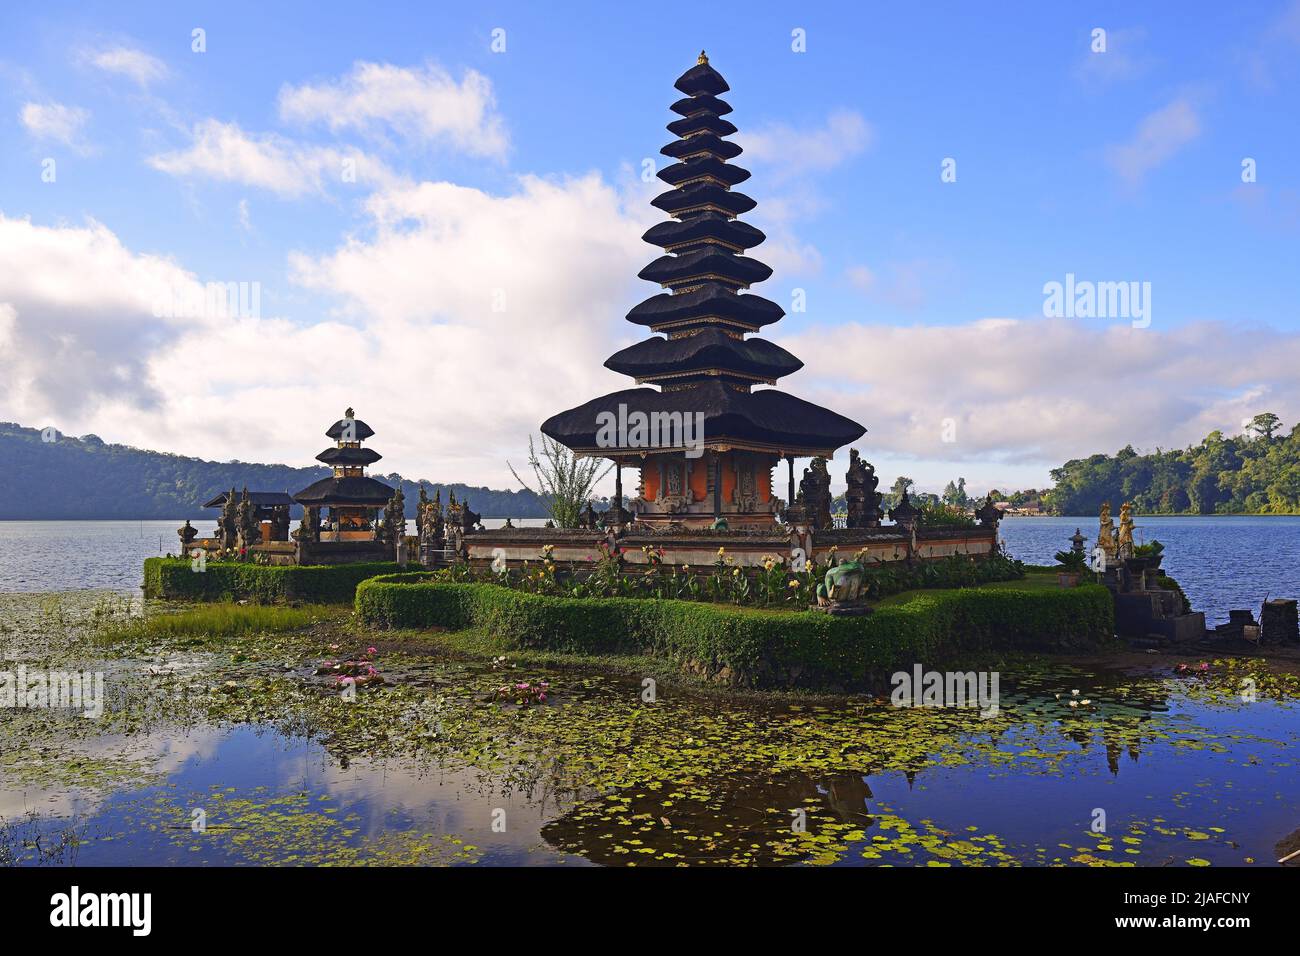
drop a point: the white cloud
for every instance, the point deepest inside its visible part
(452, 386)
(223, 151)
(787, 152)
(1158, 138)
(425, 105)
(134, 64)
(55, 122)
(80, 327)
(1041, 391)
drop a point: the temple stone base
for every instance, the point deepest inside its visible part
(741, 547)
(342, 552)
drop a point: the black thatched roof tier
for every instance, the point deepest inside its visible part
(765, 420)
(702, 197)
(707, 351)
(690, 105)
(361, 431)
(711, 302)
(707, 169)
(710, 225)
(349, 456)
(355, 491)
(705, 143)
(703, 265)
(260, 499)
(702, 80)
(703, 123)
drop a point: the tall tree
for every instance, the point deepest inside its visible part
(564, 480)
(1265, 424)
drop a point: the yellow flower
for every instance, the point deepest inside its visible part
(721, 552)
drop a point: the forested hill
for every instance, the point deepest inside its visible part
(1255, 473)
(86, 478)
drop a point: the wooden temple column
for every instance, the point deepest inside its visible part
(790, 461)
(618, 489)
(717, 485)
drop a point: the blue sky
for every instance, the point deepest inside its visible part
(924, 297)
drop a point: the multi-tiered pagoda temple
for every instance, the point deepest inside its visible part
(702, 362)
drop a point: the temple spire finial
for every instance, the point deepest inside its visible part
(703, 58)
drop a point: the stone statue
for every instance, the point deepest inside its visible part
(460, 521)
(453, 510)
(855, 497)
(249, 532)
(815, 495)
(989, 514)
(427, 524)
(1125, 546)
(309, 528)
(468, 519)
(421, 508)
(841, 589)
(393, 528)
(905, 515)
(187, 535)
(280, 523)
(1106, 532)
(863, 501)
(228, 523)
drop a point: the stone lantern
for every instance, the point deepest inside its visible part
(1076, 541)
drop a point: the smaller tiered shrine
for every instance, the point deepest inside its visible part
(352, 501)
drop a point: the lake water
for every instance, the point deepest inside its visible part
(433, 768)
(1221, 562)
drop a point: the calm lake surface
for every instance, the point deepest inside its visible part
(1221, 563)
(241, 753)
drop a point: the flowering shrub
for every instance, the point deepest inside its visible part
(772, 584)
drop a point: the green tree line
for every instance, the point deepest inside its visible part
(1255, 473)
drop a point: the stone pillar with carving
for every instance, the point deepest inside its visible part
(228, 523)
(815, 495)
(855, 497)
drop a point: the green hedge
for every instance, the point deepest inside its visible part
(174, 579)
(760, 648)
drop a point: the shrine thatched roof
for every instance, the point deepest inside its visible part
(358, 490)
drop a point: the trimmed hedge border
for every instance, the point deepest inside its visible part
(173, 579)
(751, 647)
